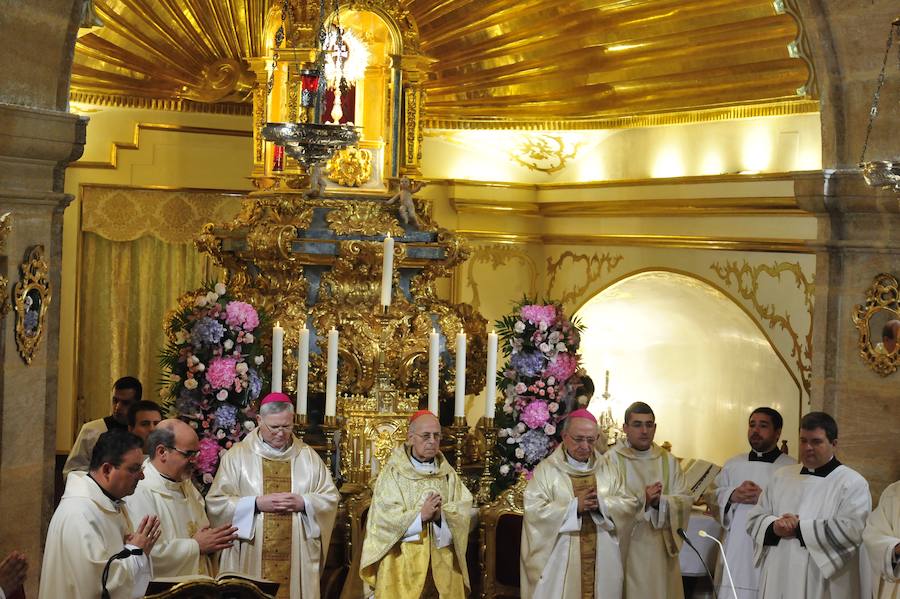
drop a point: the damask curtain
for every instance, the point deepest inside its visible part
(137, 258)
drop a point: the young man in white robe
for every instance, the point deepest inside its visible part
(650, 543)
(126, 391)
(187, 544)
(737, 489)
(807, 526)
(91, 525)
(573, 506)
(882, 540)
(279, 494)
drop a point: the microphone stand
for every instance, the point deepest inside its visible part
(712, 581)
(704, 534)
(120, 555)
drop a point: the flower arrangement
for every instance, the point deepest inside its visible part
(540, 383)
(211, 371)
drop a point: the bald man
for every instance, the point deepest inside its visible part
(418, 526)
(188, 545)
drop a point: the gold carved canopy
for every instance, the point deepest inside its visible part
(516, 62)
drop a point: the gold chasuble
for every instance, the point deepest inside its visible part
(403, 566)
(651, 546)
(285, 548)
(565, 555)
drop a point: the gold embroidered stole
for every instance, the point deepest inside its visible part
(587, 536)
(276, 548)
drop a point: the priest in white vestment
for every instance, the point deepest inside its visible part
(882, 540)
(573, 506)
(126, 391)
(187, 546)
(807, 527)
(737, 489)
(279, 494)
(91, 525)
(650, 543)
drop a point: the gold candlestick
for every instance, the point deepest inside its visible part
(459, 429)
(300, 423)
(485, 496)
(329, 427)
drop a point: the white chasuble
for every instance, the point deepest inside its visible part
(832, 511)
(80, 457)
(401, 558)
(881, 536)
(553, 535)
(88, 528)
(733, 518)
(650, 543)
(232, 499)
(182, 513)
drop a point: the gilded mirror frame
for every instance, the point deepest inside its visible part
(882, 295)
(33, 287)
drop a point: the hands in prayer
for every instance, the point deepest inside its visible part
(786, 526)
(652, 495)
(587, 501)
(431, 509)
(215, 539)
(12, 572)
(146, 535)
(747, 492)
(280, 503)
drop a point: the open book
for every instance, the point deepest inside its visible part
(698, 475)
(234, 583)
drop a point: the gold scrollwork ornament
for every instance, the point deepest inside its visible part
(879, 317)
(350, 167)
(31, 297)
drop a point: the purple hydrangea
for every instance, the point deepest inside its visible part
(226, 416)
(254, 384)
(207, 331)
(527, 364)
(535, 444)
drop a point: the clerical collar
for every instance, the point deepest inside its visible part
(422, 463)
(108, 496)
(824, 470)
(768, 457)
(580, 466)
(112, 424)
(639, 452)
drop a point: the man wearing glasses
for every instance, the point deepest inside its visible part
(280, 496)
(187, 545)
(652, 474)
(417, 530)
(574, 506)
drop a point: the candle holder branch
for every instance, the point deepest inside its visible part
(485, 495)
(459, 429)
(329, 428)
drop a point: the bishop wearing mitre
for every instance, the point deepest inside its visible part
(279, 494)
(418, 526)
(574, 506)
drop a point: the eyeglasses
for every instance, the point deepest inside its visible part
(580, 440)
(428, 436)
(132, 470)
(278, 429)
(189, 453)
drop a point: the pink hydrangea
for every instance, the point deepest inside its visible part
(561, 367)
(537, 313)
(208, 458)
(536, 414)
(241, 315)
(221, 372)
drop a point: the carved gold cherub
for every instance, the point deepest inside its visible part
(404, 197)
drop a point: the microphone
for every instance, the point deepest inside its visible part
(126, 552)
(704, 534)
(712, 581)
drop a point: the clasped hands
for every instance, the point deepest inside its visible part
(652, 495)
(280, 503)
(787, 526)
(748, 492)
(146, 535)
(431, 508)
(587, 500)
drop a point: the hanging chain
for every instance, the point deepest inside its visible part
(279, 38)
(873, 111)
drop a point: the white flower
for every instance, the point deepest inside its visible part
(174, 377)
(220, 434)
(561, 347)
(553, 407)
(249, 425)
(519, 327)
(190, 384)
(211, 297)
(501, 432)
(510, 441)
(207, 478)
(551, 380)
(520, 453)
(258, 360)
(542, 325)
(201, 301)
(200, 367)
(228, 344)
(507, 408)
(553, 337)
(544, 347)
(504, 469)
(248, 338)
(521, 427)
(549, 429)
(222, 395)
(220, 288)
(241, 368)
(520, 388)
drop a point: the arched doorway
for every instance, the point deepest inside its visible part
(692, 353)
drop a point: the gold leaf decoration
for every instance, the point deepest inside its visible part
(350, 167)
(593, 270)
(362, 218)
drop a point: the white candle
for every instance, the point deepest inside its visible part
(387, 271)
(302, 371)
(491, 382)
(277, 356)
(331, 374)
(434, 347)
(459, 407)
